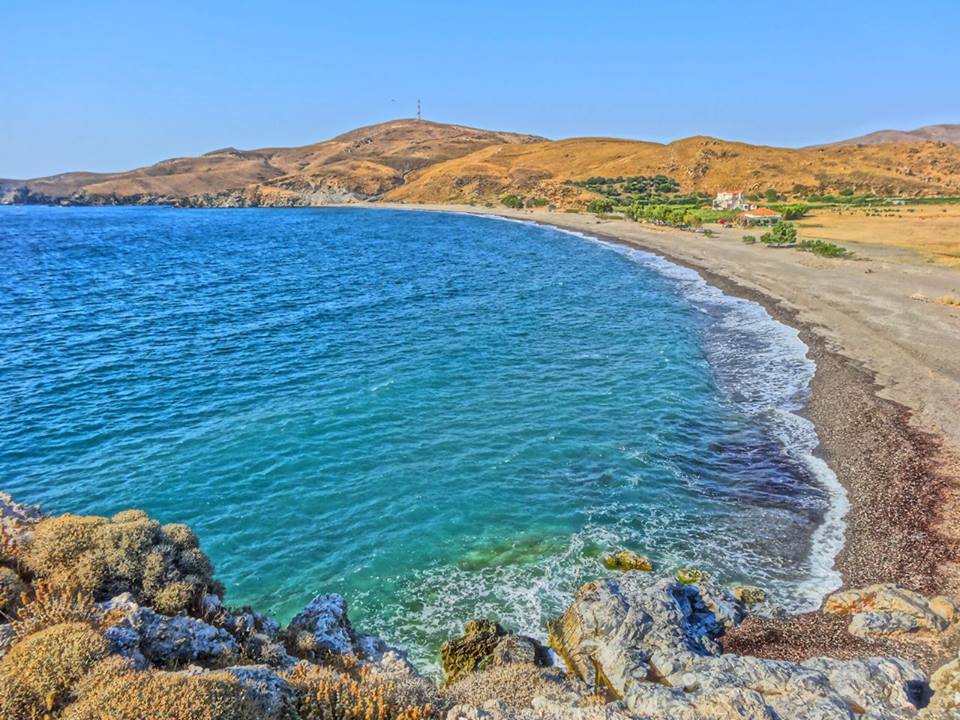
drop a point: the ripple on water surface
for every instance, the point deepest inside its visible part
(439, 416)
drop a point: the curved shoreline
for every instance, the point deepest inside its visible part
(875, 437)
(826, 542)
(896, 467)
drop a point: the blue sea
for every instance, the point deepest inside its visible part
(439, 416)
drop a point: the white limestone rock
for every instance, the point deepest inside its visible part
(652, 642)
(163, 641)
(274, 697)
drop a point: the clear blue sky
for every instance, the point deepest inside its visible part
(111, 85)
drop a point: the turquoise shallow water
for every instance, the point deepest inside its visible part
(439, 416)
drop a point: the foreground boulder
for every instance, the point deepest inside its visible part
(652, 643)
(322, 629)
(151, 639)
(945, 684)
(466, 653)
(887, 610)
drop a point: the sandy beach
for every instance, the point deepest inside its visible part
(886, 395)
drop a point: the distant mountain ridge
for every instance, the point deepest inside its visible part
(421, 161)
(932, 133)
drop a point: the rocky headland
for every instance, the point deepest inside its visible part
(122, 618)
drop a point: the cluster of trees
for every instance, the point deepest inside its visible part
(516, 202)
(793, 211)
(600, 206)
(636, 188)
(769, 195)
(664, 215)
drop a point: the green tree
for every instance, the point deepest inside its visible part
(782, 234)
(792, 212)
(600, 205)
(771, 195)
(512, 201)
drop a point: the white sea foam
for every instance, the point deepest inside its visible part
(770, 381)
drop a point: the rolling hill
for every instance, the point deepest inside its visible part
(932, 133)
(699, 164)
(420, 161)
(356, 165)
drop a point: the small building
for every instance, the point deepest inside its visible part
(759, 216)
(731, 200)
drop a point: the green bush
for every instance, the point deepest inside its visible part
(749, 239)
(537, 202)
(512, 201)
(782, 234)
(794, 211)
(824, 249)
(600, 205)
(708, 232)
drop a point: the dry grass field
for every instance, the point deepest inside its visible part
(932, 231)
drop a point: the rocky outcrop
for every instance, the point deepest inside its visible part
(322, 629)
(624, 560)
(151, 639)
(652, 643)
(636, 645)
(749, 595)
(466, 653)
(945, 683)
(272, 696)
(880, 610)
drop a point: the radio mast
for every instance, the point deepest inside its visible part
(418, 108)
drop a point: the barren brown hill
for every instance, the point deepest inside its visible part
(364, 162)
(933, 133)
(419, 161)
(698, 163)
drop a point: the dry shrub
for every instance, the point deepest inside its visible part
(115, 692)
(327, 694)
(949, 299)
(11, 588)
(39, 673)
(51, 606)
(130, 552)
(10, 550)
(515, 684)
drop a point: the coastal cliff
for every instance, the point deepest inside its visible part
(122, 618)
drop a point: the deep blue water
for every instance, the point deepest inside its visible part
(439, 416)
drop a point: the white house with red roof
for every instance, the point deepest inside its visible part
(759, 216)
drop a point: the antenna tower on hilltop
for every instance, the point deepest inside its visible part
(418, 108)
